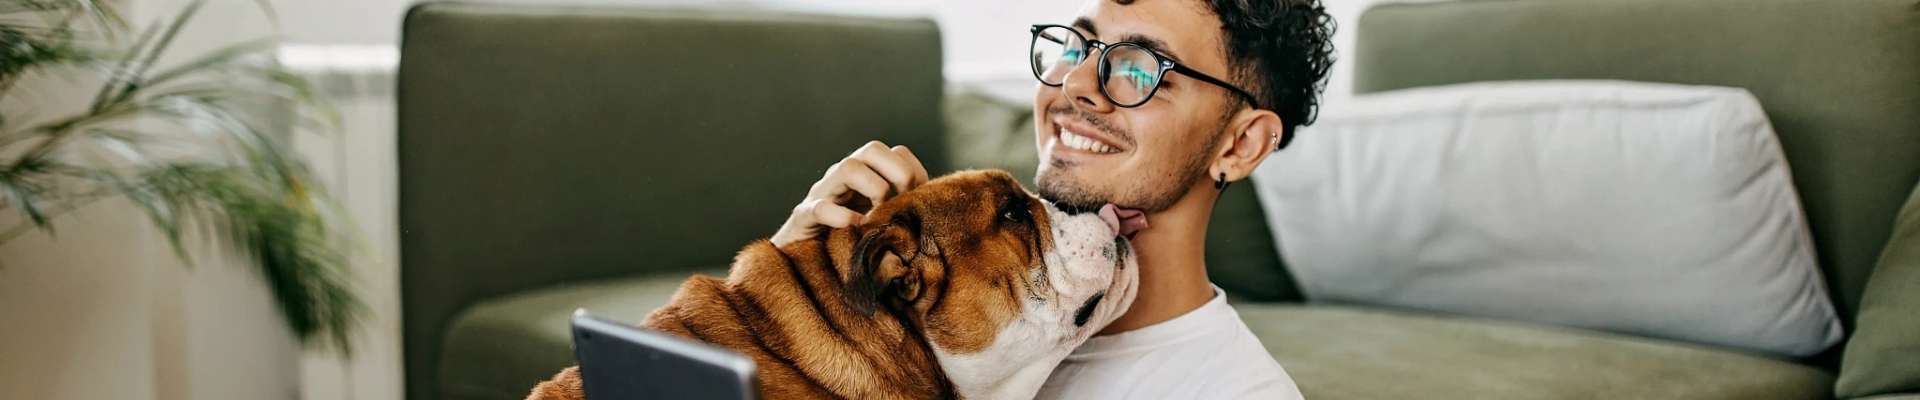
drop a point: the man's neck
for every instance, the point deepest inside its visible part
(1173, 273)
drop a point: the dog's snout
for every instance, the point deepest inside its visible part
(1072, 208)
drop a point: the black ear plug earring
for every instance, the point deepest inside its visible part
(1221, 183)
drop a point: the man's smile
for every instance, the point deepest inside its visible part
(1074, 142)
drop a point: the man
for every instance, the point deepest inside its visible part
(1150, 105)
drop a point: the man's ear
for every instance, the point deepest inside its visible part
(1253, 135)
(878, 267)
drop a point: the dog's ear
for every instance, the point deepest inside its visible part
(880, 266)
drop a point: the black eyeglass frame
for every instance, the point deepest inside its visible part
(1165, 64)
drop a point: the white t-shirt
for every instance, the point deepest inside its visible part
(1206, 354)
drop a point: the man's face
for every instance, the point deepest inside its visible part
(1155, 152)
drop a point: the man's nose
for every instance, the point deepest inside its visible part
(1082, 84)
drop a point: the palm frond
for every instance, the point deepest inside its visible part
(20, 51)
(122, 69)
(134, 71)
(280, 233)
(25, 195)
(224, 56)
(255, 194)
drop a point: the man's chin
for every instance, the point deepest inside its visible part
(1066, 194)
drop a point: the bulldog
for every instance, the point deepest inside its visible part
(966, 287)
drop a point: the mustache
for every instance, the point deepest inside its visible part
(1098, 122)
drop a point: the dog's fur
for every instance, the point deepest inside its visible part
(965, 287)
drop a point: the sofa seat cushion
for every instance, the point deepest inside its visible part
(500, 348)
(1343, 352)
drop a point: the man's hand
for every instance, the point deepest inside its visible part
(841, 198)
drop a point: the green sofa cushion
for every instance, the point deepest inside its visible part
(1884, 356)
(1339, 352)
(500, 348)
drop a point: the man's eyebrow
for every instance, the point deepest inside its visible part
(1151, 43)
(1087, 24)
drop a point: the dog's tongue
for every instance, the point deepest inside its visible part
(1111, 217)
(1126, 221)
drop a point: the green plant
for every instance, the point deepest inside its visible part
(236, 179)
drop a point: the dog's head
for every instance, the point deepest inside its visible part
(1000, 282)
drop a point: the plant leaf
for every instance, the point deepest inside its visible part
(19, 195)
(217, 58)
(134, 79)
(122, 71)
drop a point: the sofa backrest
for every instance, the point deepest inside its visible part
(541, 144)
(1838, 80)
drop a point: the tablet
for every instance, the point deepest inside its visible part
(622, 362)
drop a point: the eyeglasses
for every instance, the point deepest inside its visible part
(1129, 73)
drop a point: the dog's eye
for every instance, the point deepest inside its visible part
(1016, 210)
(1016, 215)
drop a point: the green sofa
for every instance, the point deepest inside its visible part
(561, 157)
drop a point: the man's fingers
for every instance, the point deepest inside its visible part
(851, 174)
(918, 170)
(875, 171)
(827, 213)
(862, 178)
(888, 164)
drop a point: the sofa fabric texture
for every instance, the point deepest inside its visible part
(1653, 209)
(501, 347)
(1884, 355)
(1340, 352)
(547, 144)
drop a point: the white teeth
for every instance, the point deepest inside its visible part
(1084, 143)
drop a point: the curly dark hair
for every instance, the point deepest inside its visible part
(1281, 50)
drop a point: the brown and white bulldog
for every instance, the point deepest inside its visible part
(966, 287)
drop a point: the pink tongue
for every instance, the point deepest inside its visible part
(1109, 215)
(1131, 220)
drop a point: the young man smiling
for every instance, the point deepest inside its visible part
(1150, 105)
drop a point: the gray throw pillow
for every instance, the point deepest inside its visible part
(1650, 209)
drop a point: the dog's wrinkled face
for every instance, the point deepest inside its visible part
(1002, 283)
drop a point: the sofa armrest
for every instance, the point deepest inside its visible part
(1881, 355)
(543, 144)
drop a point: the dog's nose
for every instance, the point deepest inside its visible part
(1110, 215)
